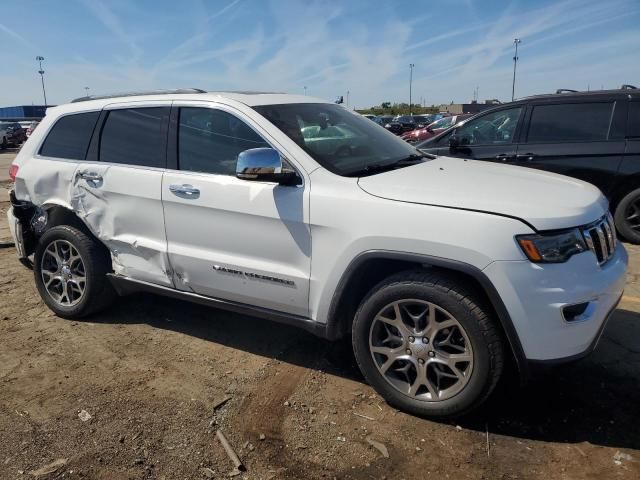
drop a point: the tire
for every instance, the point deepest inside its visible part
(627, 216)
(4, 145)
(471, 333)
(60, 254)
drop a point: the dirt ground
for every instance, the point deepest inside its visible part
(150, 371)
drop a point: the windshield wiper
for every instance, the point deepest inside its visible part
(385, 167)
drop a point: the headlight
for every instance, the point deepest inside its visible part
(553, 248)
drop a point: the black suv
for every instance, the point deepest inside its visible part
(593, 136)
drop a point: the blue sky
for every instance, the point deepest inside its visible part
(364, 46)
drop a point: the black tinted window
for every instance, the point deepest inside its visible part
(70, 136)
(494, 128)
(134, 136)
(633, 127)
(570, 122)
(210, 140)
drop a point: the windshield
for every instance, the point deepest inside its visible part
(445, 122)
(342, 142)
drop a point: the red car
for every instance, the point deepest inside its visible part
(434, 129)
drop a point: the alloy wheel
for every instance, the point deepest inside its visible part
(63, 273)
(632, 215)
(421, 350)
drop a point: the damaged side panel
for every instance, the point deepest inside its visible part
(121, 205)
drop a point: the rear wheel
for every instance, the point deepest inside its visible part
(70, 271)
(627, 216)
(427, 344)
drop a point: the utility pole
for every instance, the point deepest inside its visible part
(347, 99)
(516, 41)
(411, 65)
(41, 72)
(305, 89)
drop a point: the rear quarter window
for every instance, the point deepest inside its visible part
(70, 136)
(570, 122)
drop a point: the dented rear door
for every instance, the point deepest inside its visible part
(117, 190)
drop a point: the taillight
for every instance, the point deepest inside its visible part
(13, 172)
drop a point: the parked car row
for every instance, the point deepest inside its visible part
(15, 133)
(433, 129)
(11, 133)
(401, 124)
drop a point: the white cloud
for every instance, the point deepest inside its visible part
(113, 24)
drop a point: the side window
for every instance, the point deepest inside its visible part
(70, 136)
(134, 136)
(633, 124)
(570, 122)
(494, 128)
(210, 140)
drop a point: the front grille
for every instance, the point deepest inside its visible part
(601, 238)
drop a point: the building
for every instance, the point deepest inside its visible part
(473, 107)
(23, 112)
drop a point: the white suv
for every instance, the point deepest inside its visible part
(296, 210)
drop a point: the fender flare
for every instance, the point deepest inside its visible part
(334, 328)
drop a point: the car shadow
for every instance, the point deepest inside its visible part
(594, 400)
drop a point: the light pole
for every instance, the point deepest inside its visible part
(39, 59)
(347, 99)
(86, 91)
(516, 41)
(305, 89)
(411, 65)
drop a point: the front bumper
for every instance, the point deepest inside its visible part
(535, 295)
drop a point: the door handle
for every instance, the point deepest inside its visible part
(527, 157)
(93, 179)
(185, 191)
(505, 157)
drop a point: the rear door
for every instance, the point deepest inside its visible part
(491, 136)
(580, 138)
(117, 190)
(232, 239)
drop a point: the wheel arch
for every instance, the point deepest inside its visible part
(370, 267)
(622, 188)
(57, 213)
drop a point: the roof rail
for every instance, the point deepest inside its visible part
(566, 90)
(626, 86)
(135, 94)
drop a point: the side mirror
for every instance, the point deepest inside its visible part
(264, 165)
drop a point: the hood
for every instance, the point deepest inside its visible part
(544, 200)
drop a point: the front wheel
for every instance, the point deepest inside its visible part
(427, 344)
(70, 271)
